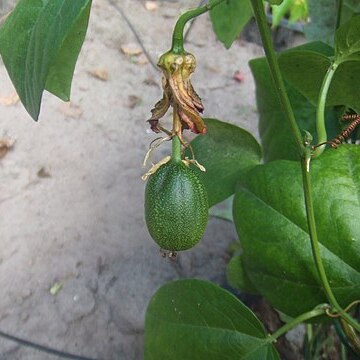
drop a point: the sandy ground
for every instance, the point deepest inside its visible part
(71, 194)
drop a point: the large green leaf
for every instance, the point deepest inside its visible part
(354, 5)
(225, 151)
(347, 41)
(322, 15)
(270, 218)
(229, 18)
(275, 132)
(39, 43)
(305, 71)
(194, 319)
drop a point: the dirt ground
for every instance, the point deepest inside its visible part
(71, 194)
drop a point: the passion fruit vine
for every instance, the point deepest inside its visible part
(176, 206)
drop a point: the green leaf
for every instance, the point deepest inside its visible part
(347, 41)
(354, 5)
(279, 12)
(274, 2)
(226, 151)
(272, 225)
(275, 133)
(305, 71)
(195, 319)
(236, 276)
(61, 71)
(39, 44)
(322, 23)
(299, 11)
(229, 18)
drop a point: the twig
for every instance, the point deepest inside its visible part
(42, 348)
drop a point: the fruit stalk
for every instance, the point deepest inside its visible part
(176, 149)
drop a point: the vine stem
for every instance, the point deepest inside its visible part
(177, 46)
(320, 112)
(318, 311)
(305, 155)
(260, 17)
(305, 167)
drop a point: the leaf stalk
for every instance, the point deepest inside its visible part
(318, 311)
(320, 111)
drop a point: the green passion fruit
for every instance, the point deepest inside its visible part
(176, 206)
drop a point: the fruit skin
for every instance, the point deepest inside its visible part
(176, 207)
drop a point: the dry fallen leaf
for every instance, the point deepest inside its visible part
(5, 145)
(43, 173)
(133, 101)
(131, 49)
(151, 5)
(71, 110)
(101, 74)
(10, 99)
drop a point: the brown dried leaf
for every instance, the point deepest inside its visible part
(10, 99)
(71, 110)
(151, 5)
(131, 49)
(101, 74)
(5, 145)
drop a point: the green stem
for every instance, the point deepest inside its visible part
(177, 46)
(304, 151)
(320, 112)
(298, 320)
(339, 12)
(176, 149)
(305, 167)
(271, 56)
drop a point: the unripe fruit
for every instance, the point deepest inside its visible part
(176, 206)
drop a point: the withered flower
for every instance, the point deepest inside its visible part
(180, 94)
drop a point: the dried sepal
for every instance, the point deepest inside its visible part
(188, 161)
(179, 93)
(155, 167)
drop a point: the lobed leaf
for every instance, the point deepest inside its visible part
(277, 256)
(305, 71)
(275, 133)
(195, 319)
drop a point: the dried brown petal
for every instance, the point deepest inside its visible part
(195, 98)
